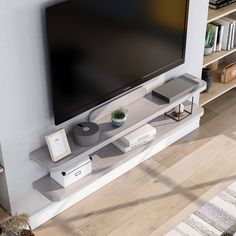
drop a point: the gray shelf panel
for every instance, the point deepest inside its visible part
(141, 112)
(109, 159)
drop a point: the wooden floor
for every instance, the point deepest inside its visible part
(158, 194)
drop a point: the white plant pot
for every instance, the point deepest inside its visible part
(118, 122)
(208, 51)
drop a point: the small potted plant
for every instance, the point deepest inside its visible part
(119, 116)
(209, 40)
(17, 225)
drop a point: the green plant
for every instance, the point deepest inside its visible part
(119, 114)
(210, 35)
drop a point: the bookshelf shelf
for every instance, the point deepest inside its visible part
(216, 56)
(216, 14)
(217, 87)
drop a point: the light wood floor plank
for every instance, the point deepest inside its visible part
(160, 211)
(183, 147)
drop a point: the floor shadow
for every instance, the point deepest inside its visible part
(177, 190)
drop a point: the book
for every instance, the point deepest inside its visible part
(126, 148)
(232, 32)
(225, 36)
(221, 4)
(230, 40)
(216, 1)
(139, 135)
(218, 5)
(221, 33)
(219, 36)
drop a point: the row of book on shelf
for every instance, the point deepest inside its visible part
(216, 4)
(223, 33)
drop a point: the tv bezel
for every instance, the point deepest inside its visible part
(116, 93)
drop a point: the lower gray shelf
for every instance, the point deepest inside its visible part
(109, 163)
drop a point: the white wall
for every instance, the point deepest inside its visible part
(26, 114)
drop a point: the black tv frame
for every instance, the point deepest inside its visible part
(125, 89)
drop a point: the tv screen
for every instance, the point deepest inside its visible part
(100, 49)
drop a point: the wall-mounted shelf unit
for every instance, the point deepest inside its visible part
(153, 108)
(217, 88)
(108, 162)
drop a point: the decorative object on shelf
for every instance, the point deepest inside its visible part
(175, 88)
(58, 145)
(179, 113)
(207, 77)
(209, 39)
(17, 225)
(179, 110)
(68, 177)
(119, 116)
(136, 138)
(228, 73)
(86, 134)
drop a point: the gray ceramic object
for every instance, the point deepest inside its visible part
(86, 134)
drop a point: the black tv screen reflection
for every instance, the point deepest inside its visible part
(101, 48)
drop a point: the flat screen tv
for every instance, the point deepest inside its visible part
(99, 49)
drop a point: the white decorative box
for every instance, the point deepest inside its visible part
(140, 135)
(66, 178)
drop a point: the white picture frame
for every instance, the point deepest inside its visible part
(58, 145)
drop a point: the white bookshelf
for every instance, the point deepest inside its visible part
(217, 88)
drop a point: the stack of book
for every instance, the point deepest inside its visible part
(136, 138)
(224, 33)
(216, 4)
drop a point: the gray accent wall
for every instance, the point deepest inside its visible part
(25, 107)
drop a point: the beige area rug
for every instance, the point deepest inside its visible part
(215, 218)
